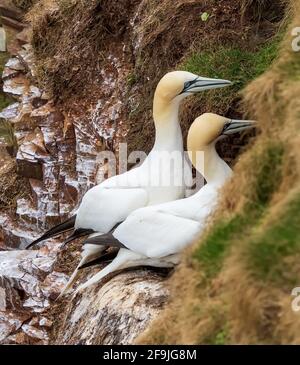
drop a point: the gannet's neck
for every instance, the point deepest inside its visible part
(168, 136)
(214, 169)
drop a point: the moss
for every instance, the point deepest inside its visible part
(266, 251)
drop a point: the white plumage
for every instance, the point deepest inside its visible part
(155, 235)
(155, 181)
(165, 229)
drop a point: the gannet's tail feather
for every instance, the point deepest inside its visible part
(104, 240)
(55, 231)
(106, 257)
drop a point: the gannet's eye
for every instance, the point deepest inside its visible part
(226, 125)
(187, 85)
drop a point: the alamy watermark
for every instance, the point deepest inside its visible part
(296, 39)
(158, 169)
(296, 301)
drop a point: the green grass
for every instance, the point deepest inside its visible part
(221, 337)
(237, 65)
(267, 250)
(212, 251)
(268, 173)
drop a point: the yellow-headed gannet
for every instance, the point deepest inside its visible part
(155, 235)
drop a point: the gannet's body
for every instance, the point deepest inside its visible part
(108, 204)
(155, 235)
(112, 201)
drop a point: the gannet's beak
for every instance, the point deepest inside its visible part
(203, 83)
(234, 126)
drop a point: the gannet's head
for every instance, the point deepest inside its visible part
(182, 83)
(206, 129)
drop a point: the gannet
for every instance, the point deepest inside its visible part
(109, 203)
(155, 235)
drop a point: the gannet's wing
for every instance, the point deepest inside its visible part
(166, 229)
(156, 234)
(103, 208)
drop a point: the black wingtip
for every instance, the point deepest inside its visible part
(35, 242)
(55, 231)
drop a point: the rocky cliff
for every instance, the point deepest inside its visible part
(57, 156)
(81, 76)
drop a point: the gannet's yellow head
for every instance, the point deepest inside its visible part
(206, 129)
(182, 83)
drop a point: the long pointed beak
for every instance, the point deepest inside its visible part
(234, 126)
(203, 83)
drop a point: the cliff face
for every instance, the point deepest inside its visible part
(57, 153)
(82, 79)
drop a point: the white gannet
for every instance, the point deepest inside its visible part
(109, 203)
(155, 235)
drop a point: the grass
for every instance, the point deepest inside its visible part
(221, 337)
(213, 250)
(235, 64)
(268, 173)
(269, 248)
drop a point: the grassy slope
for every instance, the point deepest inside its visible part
(234, 286)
